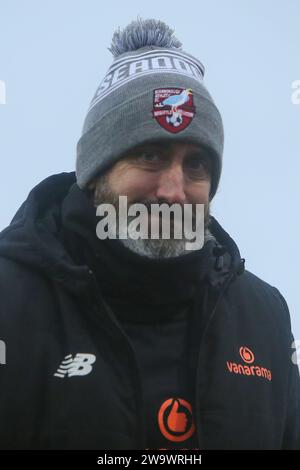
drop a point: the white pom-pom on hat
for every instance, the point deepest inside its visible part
(141, 33)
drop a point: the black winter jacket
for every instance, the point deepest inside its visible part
(57, 310)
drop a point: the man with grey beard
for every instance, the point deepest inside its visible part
(102, 193)
(116, 343)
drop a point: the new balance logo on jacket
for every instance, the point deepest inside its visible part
(80, 364)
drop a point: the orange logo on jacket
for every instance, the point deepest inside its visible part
(175, 419)
(246, 354)
(242, 369)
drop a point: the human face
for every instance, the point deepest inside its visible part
(158, 173)
(172, 173)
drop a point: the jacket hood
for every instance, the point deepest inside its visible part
(34, 237)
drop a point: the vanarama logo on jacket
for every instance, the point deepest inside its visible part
(248, 368)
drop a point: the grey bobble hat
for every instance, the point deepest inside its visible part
(152, 91)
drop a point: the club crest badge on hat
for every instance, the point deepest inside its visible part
(173, 108)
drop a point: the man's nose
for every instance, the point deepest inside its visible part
(170, 186)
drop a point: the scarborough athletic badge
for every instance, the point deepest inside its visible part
(173, 108)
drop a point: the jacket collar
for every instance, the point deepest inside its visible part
(56, 208)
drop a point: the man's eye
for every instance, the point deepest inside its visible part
(196, 163)
(198, 167)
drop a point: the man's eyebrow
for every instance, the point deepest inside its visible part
(200, 151)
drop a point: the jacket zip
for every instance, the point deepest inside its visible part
(137, 375)
(197, 411)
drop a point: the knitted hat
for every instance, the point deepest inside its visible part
(152, 91)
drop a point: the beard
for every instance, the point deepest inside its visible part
(149, 247)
